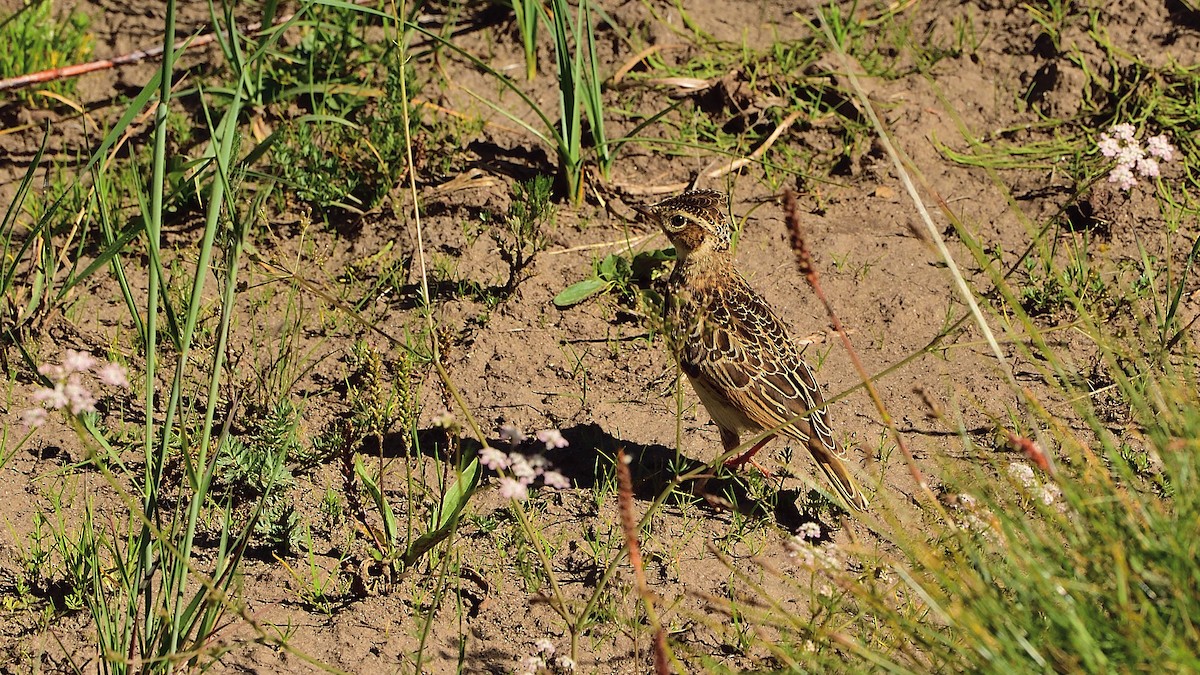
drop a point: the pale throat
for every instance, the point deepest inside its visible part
(703, 261)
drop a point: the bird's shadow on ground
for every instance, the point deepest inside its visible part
(589, 463)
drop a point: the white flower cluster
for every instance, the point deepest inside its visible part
(809, 530)
(519, 471)
(975, 516)
(70, 391)
(543, 659)
(1120, 143)
(1024, 475)
(813, 557)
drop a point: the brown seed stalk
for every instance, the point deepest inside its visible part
(630, 527)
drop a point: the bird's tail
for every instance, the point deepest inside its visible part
(839, 476)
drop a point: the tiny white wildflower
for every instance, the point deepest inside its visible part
(78, 362)
(1124, 132)
(444, 420)
(521, 467)
(544, 646)
(1050, 493)
(809, 531)
(1123, 176)
(530, 665)
(1159, 146)
(1147, 167)
(566, 663)
(556, 480)
(801, 550)
(79, 399)
(511, 488)
(1109, 146)
(1130, 155)
(512, 433)
(828, 557)
(553, 438)
(493, 459)
(975, 517)
(54, 397)
(813, 556)
(53, 371)
(34, 417)
(1022, 473)
(113, 374)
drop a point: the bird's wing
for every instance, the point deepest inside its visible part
(743, 352)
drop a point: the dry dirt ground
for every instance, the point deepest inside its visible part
(593, 370)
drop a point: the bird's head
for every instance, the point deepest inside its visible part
(694, 221)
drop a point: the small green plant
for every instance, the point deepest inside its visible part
(340, 146)
(347, 161)
(254, 470)
(1049, 289)
(522, 234)
(629, 278)
(381, 402)
(317, 588)
(580, 90)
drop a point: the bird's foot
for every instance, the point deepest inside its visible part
(747, 458)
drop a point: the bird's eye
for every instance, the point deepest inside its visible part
(678, 222)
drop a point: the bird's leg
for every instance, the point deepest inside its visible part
(730, 441)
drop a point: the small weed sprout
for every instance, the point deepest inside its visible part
(255, 467)
(523, 237)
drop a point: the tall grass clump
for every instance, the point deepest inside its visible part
(580, 93)
(161, 577)
(1088, 568)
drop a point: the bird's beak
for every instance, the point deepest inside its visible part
(646, 211)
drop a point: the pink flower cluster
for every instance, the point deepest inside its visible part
(70, 391)
(519, 471)
(1120, 143)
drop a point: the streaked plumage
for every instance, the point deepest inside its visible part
(737, 354)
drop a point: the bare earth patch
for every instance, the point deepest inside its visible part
(598, 370)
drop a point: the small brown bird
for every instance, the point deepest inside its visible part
(737, 354)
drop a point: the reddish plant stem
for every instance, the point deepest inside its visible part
(629, 525)
(78, 69)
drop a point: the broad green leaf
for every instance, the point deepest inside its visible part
(453, 503)
(608, 267)
(390, 528)
(578, 292)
